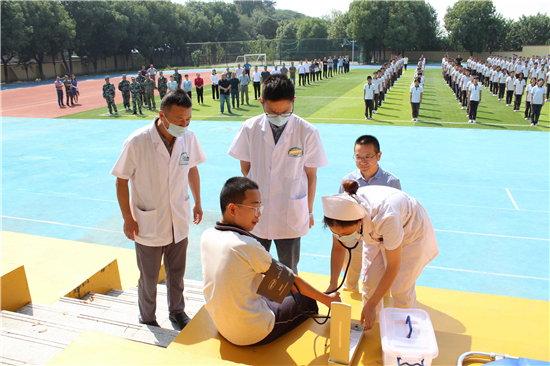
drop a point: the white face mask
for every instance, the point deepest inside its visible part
(350, 239)
(174, 130)
(279, 120)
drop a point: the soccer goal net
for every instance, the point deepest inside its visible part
(255, 59)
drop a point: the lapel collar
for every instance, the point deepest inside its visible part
(157, 141)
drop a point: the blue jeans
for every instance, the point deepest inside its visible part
(224, 98)
(235, 95)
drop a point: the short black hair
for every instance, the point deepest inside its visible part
(278, 87)
(234, 191)
(369, 77)
(177, 97)
(368, 140)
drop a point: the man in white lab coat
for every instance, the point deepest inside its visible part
(160, 161)
(281, 152)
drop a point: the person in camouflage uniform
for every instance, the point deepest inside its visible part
(162, 85)
(150, 92)
(135, 88)
(124, 87)
(141, 81)
(109, 95)
(177, 77)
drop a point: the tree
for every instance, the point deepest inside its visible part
(469, 22)
(287, 31)
(368, 22)
(267, 27)
(529, 30)
(338, 24)
(50, 24)
(14, 33)
(196, 56)
(496, 32)
(312, 28)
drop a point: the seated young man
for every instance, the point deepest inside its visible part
(233, 264)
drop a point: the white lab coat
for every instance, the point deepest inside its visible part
(159, 183)
(279, 171)
(395, 219)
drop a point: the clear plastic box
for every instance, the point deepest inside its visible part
(407, 337)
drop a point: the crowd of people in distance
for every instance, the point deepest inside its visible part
(506, 78)
(71, 90)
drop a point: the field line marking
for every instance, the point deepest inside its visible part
(512, 198)
(455, 270)
(495, 235)
(65, 196)
(61, 224)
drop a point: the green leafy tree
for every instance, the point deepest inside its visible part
(496, 32)
(338, 24)
(287, 31)
(15, 33)
(220, 53)
(196, 56)
(368, 23)
(528, 30)
(267, 27)
(312, 28)
(469, 22)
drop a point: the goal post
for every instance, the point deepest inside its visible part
(255, 59)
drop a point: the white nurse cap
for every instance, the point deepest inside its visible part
(342, 207)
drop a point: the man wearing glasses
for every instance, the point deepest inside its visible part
(366, 155)
(281, 152)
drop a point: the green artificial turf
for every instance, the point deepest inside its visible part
(339, 100)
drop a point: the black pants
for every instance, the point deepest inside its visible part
(200, 98)
(330, 71)
(301, 79)
(369, 105)
(376, 96)
(517, 102)
(257, 90)
(501, 89)
(527, 108)
(215, 92)
(69, 97)
(288, 315)
(464, 98)
(405, 67)
(415, 109)
(473, 109)
(190, 95)
(306, 78)
(380, 98)
(509, 96)
(325, 71)
(535, 112)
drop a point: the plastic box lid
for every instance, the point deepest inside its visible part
(394, 330)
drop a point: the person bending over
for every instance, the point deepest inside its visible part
(235, 268)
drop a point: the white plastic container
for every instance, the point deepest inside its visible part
(419, 348)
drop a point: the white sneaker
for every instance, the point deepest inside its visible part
(366, 118)
(474, 121)
(532, 123)
(375, 112)
(462, 108)
(515, 110)
(110, 114)
(416, 119)
(412, 120)
(526, 119)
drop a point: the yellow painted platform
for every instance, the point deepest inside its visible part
(118, 351)
(462, 321)
(55, 267)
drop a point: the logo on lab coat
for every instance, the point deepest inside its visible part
(295, 152)
(184, 159)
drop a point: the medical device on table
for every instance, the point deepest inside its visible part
(499, 359)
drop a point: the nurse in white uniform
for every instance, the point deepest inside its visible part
(397, 237)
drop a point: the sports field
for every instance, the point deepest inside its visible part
(339, 100)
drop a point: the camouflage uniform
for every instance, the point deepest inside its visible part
(150, 93)
(124, 87)
(109, 95)
(177, 78)
(141, 81)
(162, 86)
(135, 88)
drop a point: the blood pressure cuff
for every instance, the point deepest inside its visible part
(277, 282)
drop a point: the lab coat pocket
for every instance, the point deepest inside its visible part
(147, 222)
(298, 212)
(293, 164)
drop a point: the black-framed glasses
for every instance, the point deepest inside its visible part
(257, 210)
(284, 115)
(365, 159)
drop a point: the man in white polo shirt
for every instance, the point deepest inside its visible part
(537, 101)
(281, 152)
(474, 98)
(160, 161)
(416, 98)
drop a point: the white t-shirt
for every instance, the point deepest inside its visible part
(538, 93)
(279, 170)
(256, 77)
(369, 91)
(376, 83)
(416, 93)
(214, 79)
(510, 83)
(465, 82)
(518, 86)
(232, 270)
(172, 85)
(275, 72)
(502, 78)
(160, 199)
(475, 91)
(239, 72)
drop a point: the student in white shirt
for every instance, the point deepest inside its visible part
(172, 84)
(275, 71)
(474, 98)
(519, 88)
(464, 88)
(547, 88)
(235, 268)
(397, 237)
(239, 70)
(538, 93)
(281, 152)
(256, 82)
(301, 74)
(510, 88)
(416, 98)
(215, 78)
(530, 86)
(368, 95)
(502, 84)
(160, 161)
(376, 83)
